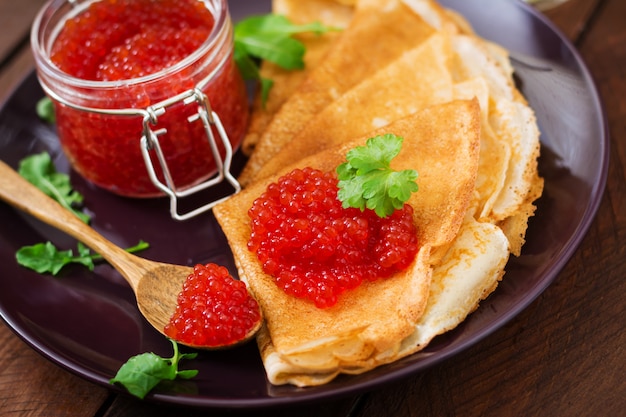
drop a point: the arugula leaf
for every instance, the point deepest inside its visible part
(39, 170)
(367, 180)
(269, 37)
(141, 373)
(46, 258)
(284, 51)
(249, 69)
(275, 23)
(45, 110)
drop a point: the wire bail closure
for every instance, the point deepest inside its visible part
(150, 143)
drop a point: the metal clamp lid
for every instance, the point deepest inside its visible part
(149, 142)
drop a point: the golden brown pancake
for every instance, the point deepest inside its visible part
(512, 123)
(355, 55)
(367, 325)
(467, 274)
(476, 152)
(285, 82)
(417, 79)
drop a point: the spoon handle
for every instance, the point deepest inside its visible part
(20, 193)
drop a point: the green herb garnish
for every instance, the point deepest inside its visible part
(367, 180)
(269, 37)
(46, 258)
(45, 110)
(40, 171)
(141, 373)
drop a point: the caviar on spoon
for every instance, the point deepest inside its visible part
(156, 285)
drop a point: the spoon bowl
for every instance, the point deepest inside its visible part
(156, 285)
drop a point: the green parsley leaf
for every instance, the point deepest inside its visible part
(366, 180)
(141, 373)
(45, 110)
(275, 23)
(282, 50)
(46, 258)
(249, 69)
(269, 37)
(40, 171)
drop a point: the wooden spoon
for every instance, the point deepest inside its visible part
(156, 285)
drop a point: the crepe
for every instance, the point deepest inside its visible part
(355, 55)
(418, 78)
(285, 82)
(468, 273)
(367, 326)
(510, 139)
(495, 154)
(475, 142)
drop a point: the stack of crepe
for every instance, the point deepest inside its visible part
(414, 69)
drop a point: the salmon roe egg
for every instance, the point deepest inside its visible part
(315, 249)
(123, 39)
(213, 309)
(137, 55)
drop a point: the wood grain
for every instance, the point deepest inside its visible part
(127, 407)
(562, 356)
(15, 20)
(15, 70)
(32, 386)
(573, 16)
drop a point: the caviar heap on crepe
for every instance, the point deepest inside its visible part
(213, 309)
(131, 54)
(316, 249)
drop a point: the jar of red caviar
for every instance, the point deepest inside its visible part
(148, 99)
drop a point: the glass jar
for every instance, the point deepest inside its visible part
(152, 134)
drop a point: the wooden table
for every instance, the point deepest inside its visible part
(562, 356)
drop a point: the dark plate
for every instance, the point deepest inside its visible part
(88, 323)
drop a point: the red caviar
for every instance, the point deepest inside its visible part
(121, 39)
(138, 42)
(317, 250)
(213, 309)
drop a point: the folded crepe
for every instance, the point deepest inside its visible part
(510, 138)
(304, 345)
(417, 79)
(353, 57)
(285, 82)
(470, 217)
(442, 68)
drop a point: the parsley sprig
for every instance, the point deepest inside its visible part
(39, 170)
(46, 258)
(45, 110)
(270, 37)
(141, 373)
(366, 180)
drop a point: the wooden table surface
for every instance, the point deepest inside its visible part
(562, 356)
